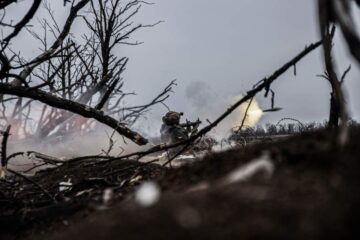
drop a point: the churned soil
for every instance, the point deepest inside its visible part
(310, 191)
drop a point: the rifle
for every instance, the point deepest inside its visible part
(191, 127)
(190, 124)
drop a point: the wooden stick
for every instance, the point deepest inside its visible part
(6, 135)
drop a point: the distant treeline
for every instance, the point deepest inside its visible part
(285, 126)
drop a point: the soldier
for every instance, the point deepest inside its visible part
(173, 132)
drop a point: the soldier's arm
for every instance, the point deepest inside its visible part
(180, 134)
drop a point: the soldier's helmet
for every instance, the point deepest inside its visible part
(172, 118)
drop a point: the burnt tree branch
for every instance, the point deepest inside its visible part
(5, 137)
(245, 115)
(25, 73)
(74, 107)
(5, 3)
(337, 102)
(17, 28)
(341, 14)
(35, 184)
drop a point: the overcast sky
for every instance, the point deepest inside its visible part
(229, 45)
(221, 48)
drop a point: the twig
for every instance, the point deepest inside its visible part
(177, 154)
(34, 7)
(34, 183)
(344, 74)
(245, 115)
(130, 168)
(6, 135)
(44, 157)
(291, 119)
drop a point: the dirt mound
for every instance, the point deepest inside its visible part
(74, 189)
(297, 188)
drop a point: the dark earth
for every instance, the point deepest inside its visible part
(313, 193)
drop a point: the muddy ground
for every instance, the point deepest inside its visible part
(307, 188)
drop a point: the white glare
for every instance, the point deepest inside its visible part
(147, 194)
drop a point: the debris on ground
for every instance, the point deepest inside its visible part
(300, 187)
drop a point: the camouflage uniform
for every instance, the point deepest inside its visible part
(171, 131)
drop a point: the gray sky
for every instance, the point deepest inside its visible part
(221, 48)
(230, 45)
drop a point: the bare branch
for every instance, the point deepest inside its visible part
(74, 107)
(5, 136)
(340, 10)
(34, 7)
(344, 74)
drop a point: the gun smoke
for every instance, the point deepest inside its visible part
(208, 104)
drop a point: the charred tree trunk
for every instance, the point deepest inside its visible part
(334, 113)
(338, 109)
(3, 154)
